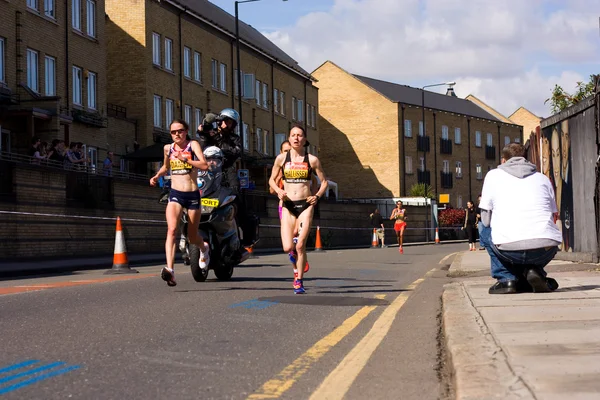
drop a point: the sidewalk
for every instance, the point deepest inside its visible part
(527, 345)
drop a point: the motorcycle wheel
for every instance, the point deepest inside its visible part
(224, 272)
(198, 273)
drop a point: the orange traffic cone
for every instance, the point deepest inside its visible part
(120, 262)
(437, 236)
(318, 244)
(374, 241)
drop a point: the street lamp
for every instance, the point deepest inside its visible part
(425, 132)
(239, 69)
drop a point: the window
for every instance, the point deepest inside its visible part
(123, 165)
(446, 166)
(279, 138)
(49, 9)
(300, 110)
(421, 163)
(246, 138)
(157, 111)
(197, 67)
(197, 117)
(506, 140)
(517, 140)
(458, 169)
(92, 153)
(314, 116)
(223, 80)
(32, 70)
(155, 48)
(294, 108)
(169, 111)
(49, 75)
(248, 85)
(407, 128)
(489, 139)
(457, 138)
(257, 92)
(186, 62)
(265, 95)
(91, 90)
(477, 139)
(2, 78)
(266, 142)
(276, 100)
(421, 129)
(259, 140)
(168, 54)
(459, 202)
(91, 18)
(33, 4)
(444, 132)
(478, 171)
(214, 64)
(282, 102)
(408, 164)
(77, 86)
(187, 114)
(308, 115)
(76, 14)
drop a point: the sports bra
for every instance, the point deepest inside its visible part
(400, 215)
(179, 167)
(296, 172)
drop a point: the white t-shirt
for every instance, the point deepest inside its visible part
(522, 208)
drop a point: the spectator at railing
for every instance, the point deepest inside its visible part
(73, 158)
(40, 154)
(58, 151)
(35, 143)
(107, 165)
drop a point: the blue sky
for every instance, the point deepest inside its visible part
(508, 53)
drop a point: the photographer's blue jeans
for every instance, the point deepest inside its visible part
(480, 228)
(510, 265)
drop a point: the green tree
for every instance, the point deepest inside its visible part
(561, 99)
(421, 190)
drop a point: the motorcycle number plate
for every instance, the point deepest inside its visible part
(210, 202)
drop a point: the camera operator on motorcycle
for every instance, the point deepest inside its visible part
(183, 158)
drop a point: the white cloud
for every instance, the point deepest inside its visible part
(495, 48)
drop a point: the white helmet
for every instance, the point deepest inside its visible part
(231, 114)
(213, 152)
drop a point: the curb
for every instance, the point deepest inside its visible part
(578, 257)
(455, 267)
(479, 365)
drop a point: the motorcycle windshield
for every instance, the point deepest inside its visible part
(209, 181)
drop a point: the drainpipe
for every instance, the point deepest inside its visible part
(273, 107)
(304, 105)
(233, 79)
(181, 60)
(499, 146)
(469, 153)
(402, 172)
(435, 170)
(67, 81)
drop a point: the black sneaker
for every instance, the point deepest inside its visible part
(506, 287)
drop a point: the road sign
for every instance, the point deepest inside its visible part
(244, 183)
(243, 173)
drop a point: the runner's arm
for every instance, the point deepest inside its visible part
(275, 172)
(163, 170)
(321, 174)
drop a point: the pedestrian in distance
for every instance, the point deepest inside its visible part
(107, 165)
(296, 167)
(470, 225)
(479, 224)
(377, 224)
(518, 204)
(182, 158)
(399, 218)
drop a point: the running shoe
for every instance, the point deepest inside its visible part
(293, 256)
(205, 257)
(168, 275)
(298, 287)
(401, 250)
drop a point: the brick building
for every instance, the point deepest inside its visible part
(373, 143)
(53, 73)
(177, 59)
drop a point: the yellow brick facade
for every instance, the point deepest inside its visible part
(365, 146)
(527, 119)
(43, 33)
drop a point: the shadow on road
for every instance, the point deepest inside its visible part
(326, 300)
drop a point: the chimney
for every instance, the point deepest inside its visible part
(450, 91)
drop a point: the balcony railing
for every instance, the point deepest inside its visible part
(424, 177)
(490, 152)
(445, 146)
(423, 143)
(446, 179)
(90, 118)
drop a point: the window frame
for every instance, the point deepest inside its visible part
(246, 144)
(187, 60)
(77, 73)
(257, 93)
(169, 112)
(2, 60)
(477, 138)
(282, 102)
(157, 111)
(187, 114)
(76, 15)
(168, 54)
(214, 67)
(300, 110)
(421, 129)
(294, 108)
(489, 139)
(445, 132)
(33, 68)
(276, 100)
(446, 166)
(50, 12)
(265, 96)
(49, 76)
(198, 67)
(506, 142)
(92, 87)
(407, 128)
(458, 169)
(223, 77)
(478, 171)
(156, 59)
(457, 136)
(259, 140)
(408, 165)
(197, 117)
(91, 18)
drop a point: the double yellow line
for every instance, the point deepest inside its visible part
(336, 385)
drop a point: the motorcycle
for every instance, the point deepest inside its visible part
(218, 225)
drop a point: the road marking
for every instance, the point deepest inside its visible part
(275, 387)
(443, 260)
(43, 286)
(258, 304)
(337, 383)
(38, 378)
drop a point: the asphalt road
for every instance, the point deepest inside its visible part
(367, 328)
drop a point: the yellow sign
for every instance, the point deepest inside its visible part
(444, 198)
(210, 202)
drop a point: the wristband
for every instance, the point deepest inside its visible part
(317, 196)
